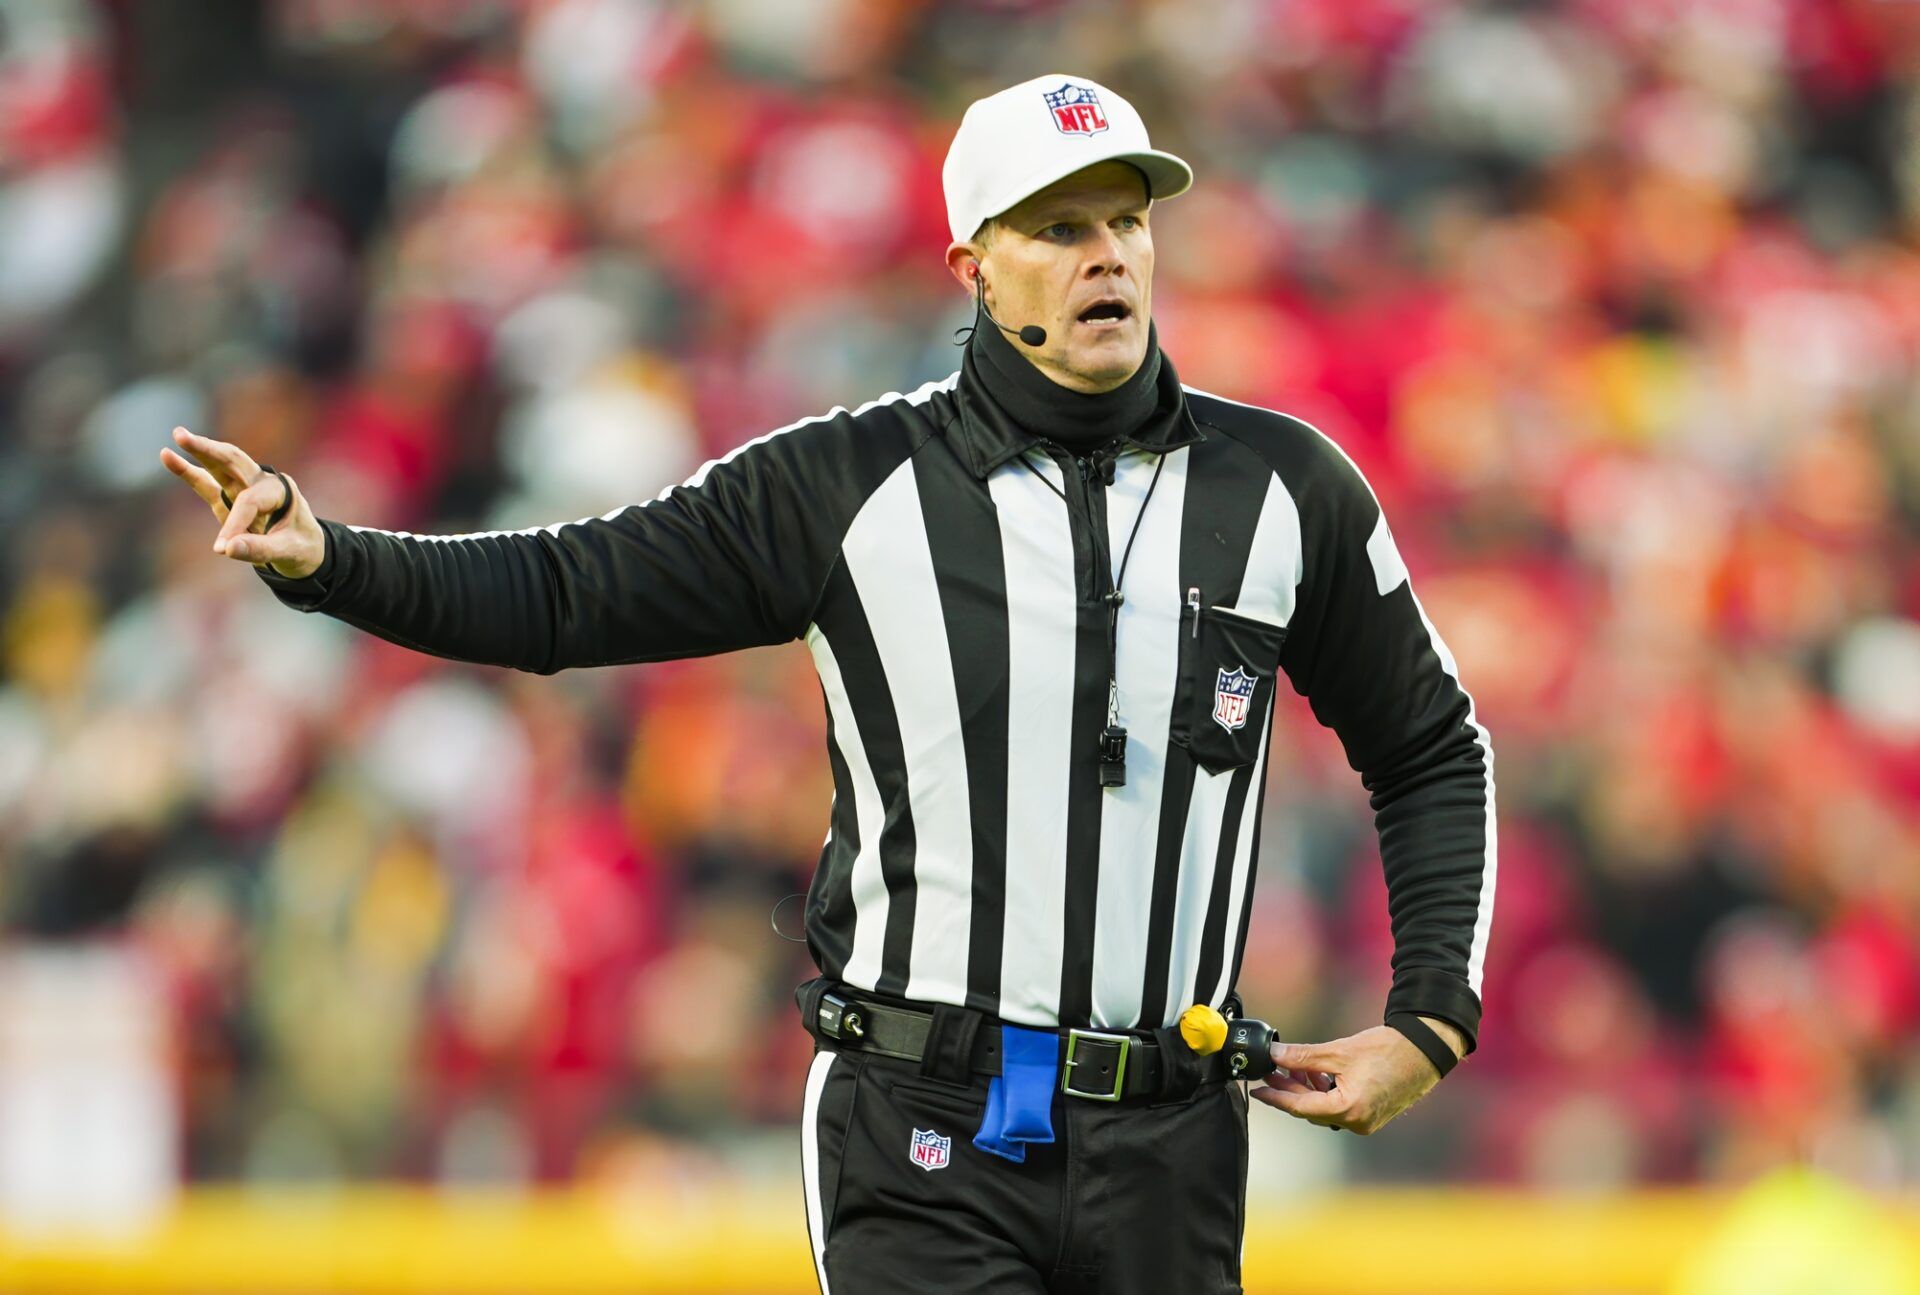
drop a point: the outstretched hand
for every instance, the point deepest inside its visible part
(296, 543)
(1359, 1083)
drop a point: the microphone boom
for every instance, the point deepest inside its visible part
(1032, 334)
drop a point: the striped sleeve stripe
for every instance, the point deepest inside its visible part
(1483, 915)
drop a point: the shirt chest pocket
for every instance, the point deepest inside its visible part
(1228, 663)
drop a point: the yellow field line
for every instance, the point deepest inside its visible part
(402, 1241)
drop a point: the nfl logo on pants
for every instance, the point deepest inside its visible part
(929, 1149)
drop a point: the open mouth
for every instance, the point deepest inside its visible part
(1108, 314)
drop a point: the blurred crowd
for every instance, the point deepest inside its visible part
(1617, 303)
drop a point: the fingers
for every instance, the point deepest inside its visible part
(1309, 1056)
(1307, 1085)
(198, 478)
(1330, 1110)
(270, 547)
(1348, 1083)
(1308, 1081)
(229, 464)
(1291, 1083)
(256, 501)
(1319, 1107)
(246, 507)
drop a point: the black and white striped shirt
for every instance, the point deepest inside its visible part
(948, 570)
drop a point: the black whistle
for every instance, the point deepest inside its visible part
(1113, 756)
(1249, 1048)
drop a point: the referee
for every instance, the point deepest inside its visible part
(1049, 598)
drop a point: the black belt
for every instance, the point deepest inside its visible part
(954, 1043)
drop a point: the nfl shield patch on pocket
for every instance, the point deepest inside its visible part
(1232, 695)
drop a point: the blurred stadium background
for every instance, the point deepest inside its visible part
(325, 966)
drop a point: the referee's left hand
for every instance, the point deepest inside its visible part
(1359, 1083)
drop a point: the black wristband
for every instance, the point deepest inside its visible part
(275, 517)
(1425, 1038)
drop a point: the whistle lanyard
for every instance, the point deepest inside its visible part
(1113, 737)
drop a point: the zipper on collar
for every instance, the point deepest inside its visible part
(1087, 516)
(1095, 473)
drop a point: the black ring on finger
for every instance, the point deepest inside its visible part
(286, 496)
(275, 517)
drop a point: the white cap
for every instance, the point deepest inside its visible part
(1015, 143)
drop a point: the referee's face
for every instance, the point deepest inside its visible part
(1077, 259)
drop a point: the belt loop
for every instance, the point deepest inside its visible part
(807, 996)
(948, 1051)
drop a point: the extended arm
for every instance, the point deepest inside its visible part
(734, 557)
(686, 574)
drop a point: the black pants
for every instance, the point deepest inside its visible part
(1129, 1197)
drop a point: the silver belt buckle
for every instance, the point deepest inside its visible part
(1125, 1044)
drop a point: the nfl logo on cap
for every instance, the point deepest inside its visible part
(1076, 109)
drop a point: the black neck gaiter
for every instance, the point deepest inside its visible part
(1045, 408)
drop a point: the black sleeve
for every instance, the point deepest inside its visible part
(735, 557)
(1360, 649)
